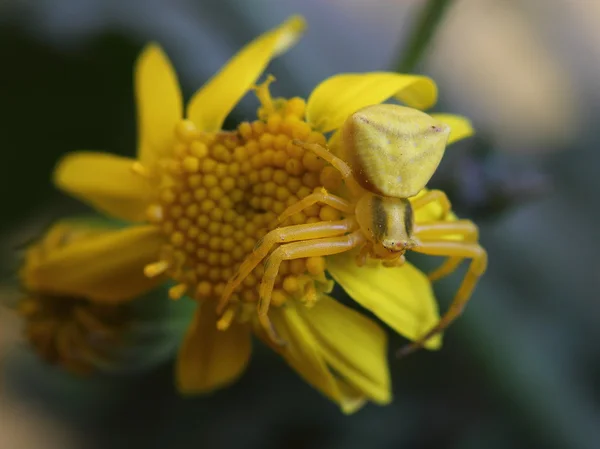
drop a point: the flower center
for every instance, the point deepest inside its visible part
(218, 194)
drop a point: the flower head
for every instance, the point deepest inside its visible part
(87, 315)
(208, 198)
(63, 327)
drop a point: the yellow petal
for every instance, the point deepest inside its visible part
(353, 345)
(302, 353)
(353, 399)
(107, 266)
(105, 181)
(337, 97)
(400, 296)
(209, 358)
(159, 103)
(209, 107)
(460, 127)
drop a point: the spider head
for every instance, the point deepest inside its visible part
(388, 223)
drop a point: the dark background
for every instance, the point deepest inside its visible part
(520, 369)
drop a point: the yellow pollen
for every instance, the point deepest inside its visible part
(291, 284)
(328, 213)
(264, 95)
(191, 164)
(219, 194)
(156, 268)
(310, 295)
(278, 298)
(186, 131)
(204, 289)
(225, 321)
(315, 265)
(177, 291)
(330, 178)
(155, 213)
(140, 169)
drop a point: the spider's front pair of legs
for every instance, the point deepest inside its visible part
(295, 242)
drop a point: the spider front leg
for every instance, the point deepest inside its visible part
(467, 250)
(322, 196)
(336, 162)
(281, 235)
(299, 250)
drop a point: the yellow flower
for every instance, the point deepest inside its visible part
(208, 196)
(78, 333)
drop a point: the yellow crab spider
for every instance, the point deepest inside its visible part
(388, 154)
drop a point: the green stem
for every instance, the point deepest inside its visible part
(427, 24)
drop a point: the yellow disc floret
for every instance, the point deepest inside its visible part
(219, 194)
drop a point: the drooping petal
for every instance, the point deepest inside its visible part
(337, 97)
(209, 107)
(159, 103)
(400, 296)
(302, 352)
(460, 127)
(209, 358)
(353, 345)
(105, 181)
(105, 267)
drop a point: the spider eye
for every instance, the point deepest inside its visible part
(393, 245)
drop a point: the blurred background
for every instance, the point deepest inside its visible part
(520, 369)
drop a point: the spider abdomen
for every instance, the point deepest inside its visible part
(393, 150)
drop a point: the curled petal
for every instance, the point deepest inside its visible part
(209, 107)
(106, 266)
(353, 345)
(303, 353)
(337, 97)
(210, 358)
(159, 103)
(401, 296)
(105, 181)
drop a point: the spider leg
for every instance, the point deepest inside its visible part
(460, 228)
(468, 250)
(336, 162)
(322, 196)
(431, 196)
(445, 269)
(281, 235)
(361, 257)
(268, 327)
(298, 250)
